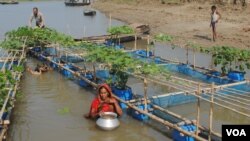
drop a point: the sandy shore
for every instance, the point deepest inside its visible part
(186, 22)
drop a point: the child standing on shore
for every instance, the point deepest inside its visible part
(215, 16)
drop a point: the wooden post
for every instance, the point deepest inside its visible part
(187, 54)
(211, 112)
(94, 72)
(148, 46)
(198, 109)
(145, 94)
(194, 58)
(135, 42)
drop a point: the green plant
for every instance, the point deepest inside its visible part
(115, 31)
(119, 63)
(6, 79)
(230, 58)
(35, 37)
(163, 37)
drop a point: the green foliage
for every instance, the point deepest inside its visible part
(119, 63)
(163, 37)
(230, 58)
(115, 30)
(35, 37)
(11, 44)
(18, 68)
(194, 46)
(5, 79)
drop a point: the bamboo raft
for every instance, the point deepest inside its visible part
(140, 31)
(9, 2)
(8, 60)
(194, 89)
(210, 93)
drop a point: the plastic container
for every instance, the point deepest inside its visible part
(68, 73)
(178, 137)
(235, 75)
(104, 74)
(125, 94)
(84, 83)
(144, 53)
(138, 115)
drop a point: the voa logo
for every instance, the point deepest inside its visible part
(236, 132)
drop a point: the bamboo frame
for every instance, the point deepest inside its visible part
(190, 91)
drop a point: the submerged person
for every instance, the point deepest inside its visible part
(215, 16)
(45, 68)
(38, 17)
(36, 71)
(104, 102)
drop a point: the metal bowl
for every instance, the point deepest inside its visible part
(108, 121)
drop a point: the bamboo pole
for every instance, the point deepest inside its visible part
(187, 121)
(232, 104)
(226, 96)
(94, 72)
(160, 120)
(145, 95)
(211, 112)
(148, 46)
(198, 110)
(73, 72)
(12, 60)
(5, 62)
(135, 43)
(240, 91)
(221, 104)
(187, 56)
(235, 93)
(194, 59)
(191, 93)
(150, 115)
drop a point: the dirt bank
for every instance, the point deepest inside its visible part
(186, 22)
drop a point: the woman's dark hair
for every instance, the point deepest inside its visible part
(109, 95)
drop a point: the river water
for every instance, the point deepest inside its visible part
(52, 106)
(66, 19)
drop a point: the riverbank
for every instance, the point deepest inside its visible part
(185, 22)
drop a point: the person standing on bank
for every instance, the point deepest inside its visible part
(38, 17)
(215, 16)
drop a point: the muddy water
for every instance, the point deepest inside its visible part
(52, 107)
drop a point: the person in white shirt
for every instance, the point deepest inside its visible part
(38, 17)
(215, 16)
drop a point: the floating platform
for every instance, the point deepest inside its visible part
(9, 2)
(77, 2)
(89, 12)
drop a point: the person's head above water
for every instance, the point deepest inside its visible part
(104, 91)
